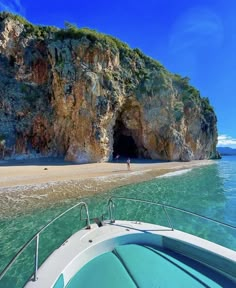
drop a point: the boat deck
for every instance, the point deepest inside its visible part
(135, 265)
(121, 253)
(135, 254)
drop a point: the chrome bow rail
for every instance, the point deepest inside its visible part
(36, 238)
(111, 207)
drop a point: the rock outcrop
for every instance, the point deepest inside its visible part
(87, 96)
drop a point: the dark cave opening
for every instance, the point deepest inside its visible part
(125, 147)
(124, 143)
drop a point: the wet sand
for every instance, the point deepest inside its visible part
(31, 185)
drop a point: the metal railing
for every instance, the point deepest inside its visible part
(111, 207)
(36, 238)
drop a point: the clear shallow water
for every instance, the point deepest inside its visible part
(210, 191)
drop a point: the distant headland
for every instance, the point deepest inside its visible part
(226, 151)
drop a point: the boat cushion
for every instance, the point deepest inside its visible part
(149, 267)
(133, 265)
(105, 271)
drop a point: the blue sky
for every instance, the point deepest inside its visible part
(194, 38)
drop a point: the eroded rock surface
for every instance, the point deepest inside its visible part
(87, 96)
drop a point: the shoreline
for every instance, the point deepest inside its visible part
(26, 187)
(25, 173)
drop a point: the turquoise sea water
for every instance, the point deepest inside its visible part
(209, 191)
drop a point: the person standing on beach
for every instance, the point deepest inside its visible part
(128, 164)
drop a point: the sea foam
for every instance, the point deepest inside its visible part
(175, 173)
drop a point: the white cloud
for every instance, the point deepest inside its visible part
(196, 28)
(13, 6)
(226, 141)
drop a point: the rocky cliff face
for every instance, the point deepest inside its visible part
(87, 96)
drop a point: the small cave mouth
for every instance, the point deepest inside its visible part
(126, 142)
(125, 146)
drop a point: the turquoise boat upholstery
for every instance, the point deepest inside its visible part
(60, 282)
(145, 267)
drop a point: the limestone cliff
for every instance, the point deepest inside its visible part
(83, 95)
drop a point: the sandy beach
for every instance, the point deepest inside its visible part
(25, 173)
(26, 185)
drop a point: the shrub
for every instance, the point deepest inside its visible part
(206, 105)
(72, 31)
(29, 28)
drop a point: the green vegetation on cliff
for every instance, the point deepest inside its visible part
(30, 29)
(22, 20)
(91, 85)
(71, 31)
(206, 105)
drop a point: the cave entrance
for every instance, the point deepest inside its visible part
(125, 147)
(128, 132)
(124, 144)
